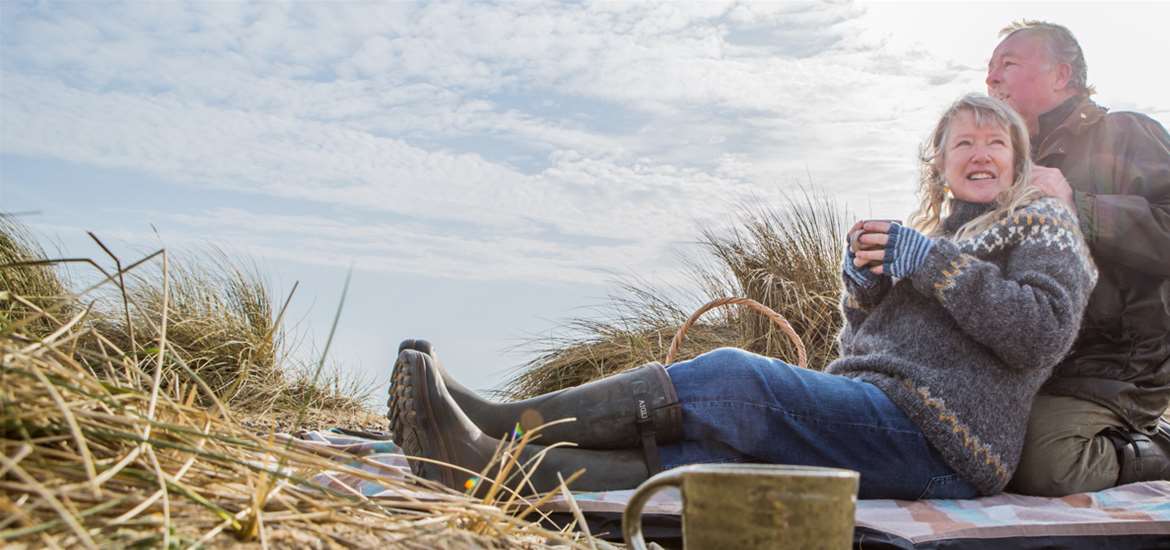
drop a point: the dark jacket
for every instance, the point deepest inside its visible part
(1119, 167)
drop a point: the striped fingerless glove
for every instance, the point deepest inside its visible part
(861, 276)
(906, 251)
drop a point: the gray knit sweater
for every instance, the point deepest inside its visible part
(963, 344)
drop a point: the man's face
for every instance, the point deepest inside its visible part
(1022, 73)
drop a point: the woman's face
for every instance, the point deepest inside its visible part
(977, 160)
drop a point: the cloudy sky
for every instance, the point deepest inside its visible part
(487, 169)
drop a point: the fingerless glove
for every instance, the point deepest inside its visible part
(860, 275)
(906, 251)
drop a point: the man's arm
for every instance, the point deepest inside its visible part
(1130, 227)
(1133, 228)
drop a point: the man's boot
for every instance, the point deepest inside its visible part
(429, 424)
(1142, 457)
(638, 407)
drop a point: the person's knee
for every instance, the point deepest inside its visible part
(720, 373)
(723, 360)
(1045, 478)
(700, 372)
(1065, 466)
(727, 355)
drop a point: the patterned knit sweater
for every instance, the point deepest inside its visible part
(963, 344)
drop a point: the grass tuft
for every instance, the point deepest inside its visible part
(787, 259)
(113, 440)
(221, 325)
(35, 291)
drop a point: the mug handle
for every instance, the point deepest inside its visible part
(632, 517)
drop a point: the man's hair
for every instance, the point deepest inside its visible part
(1062, 48)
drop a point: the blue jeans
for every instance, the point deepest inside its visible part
(742, 407)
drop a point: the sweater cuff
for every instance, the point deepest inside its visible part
(937, 272)
(862, 277)
(906, 250)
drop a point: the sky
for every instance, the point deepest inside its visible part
(488, 170)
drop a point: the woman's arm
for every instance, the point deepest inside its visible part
(863, 290)
(1029, 311)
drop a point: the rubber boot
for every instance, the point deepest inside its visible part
(612, 413)
(479, 410)
(1142, 457)
(429, 424)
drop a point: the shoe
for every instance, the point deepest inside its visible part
(474, 406)
(429, 424)
(638, 407)
(1142, 457)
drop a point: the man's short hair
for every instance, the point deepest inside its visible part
(1062, 48)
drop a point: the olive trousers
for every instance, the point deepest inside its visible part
(1065, 451)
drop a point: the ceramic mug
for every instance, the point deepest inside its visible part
(749, 506)
(854, 236)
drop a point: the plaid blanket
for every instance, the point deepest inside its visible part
(1140, 511)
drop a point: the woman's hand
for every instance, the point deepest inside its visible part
(867, 242)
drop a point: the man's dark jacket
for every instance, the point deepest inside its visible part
(1118, 165)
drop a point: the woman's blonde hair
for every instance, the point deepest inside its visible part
(933, 186)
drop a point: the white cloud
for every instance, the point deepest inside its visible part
(505, 134)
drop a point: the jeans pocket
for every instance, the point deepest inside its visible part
(947, 486)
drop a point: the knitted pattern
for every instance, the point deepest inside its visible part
(862, 276)
(971, 442)
(953, 269)
(963, 343)
(906, 250)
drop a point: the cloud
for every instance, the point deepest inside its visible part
(507, 134)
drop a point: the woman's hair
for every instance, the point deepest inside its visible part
(933, 185)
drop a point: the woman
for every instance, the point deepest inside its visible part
(951, 325)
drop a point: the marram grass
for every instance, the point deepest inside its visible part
(89, 463)
(118, 441)
(786, 258)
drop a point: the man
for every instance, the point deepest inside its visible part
(1095, 423)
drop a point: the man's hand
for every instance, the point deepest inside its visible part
(1051, 182)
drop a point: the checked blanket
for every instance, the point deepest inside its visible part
(1138, 513)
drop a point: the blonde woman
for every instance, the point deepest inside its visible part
(952, 324)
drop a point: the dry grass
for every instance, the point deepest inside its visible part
(91, 463)
(31, 286)
(790, 261)
(106, 446)
(222, 327)
(787, 259)
(634, 328)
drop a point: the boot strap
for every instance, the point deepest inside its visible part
(644, 420)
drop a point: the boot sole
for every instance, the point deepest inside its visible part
(416, 344)
(391, 410)
(422, 346)
(411, 419)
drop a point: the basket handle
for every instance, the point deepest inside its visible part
(777, 319)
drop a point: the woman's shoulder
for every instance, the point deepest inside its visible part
(1046, 222)
(1042, 216)
(1043, 211)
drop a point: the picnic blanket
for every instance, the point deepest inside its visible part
(1130, 516)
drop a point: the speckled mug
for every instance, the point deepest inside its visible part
(750, 506)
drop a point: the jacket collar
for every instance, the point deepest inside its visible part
(1051, 120)
(1071, 118)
